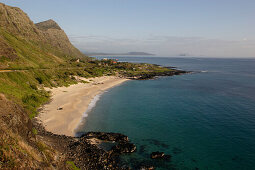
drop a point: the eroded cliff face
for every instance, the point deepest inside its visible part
(57, 37)
(47, 35)
(15, 21)
(49, 24)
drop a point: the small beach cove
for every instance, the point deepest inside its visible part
(69, 104)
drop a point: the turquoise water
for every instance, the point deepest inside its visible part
(204, 120)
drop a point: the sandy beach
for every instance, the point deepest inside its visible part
(64, 113)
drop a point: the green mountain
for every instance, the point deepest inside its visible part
(23, 43)
(32, 56)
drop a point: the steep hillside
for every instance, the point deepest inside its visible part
(57, 38)
(15, 21)
(19, 146)
(32, 45)
(32, 58)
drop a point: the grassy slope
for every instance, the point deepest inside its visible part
(37, 68)
(29, 54)
(26, 87)
(39, 65)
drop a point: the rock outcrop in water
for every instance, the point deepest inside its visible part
(159, 155)
(124, 147)
(116, 137)
(151, 75)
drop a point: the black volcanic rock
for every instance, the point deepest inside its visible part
(116, 137)
(147, 167)
(159, 155)
(124, 147)
(150, 75)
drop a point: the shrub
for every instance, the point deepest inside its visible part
(34, 131)
(33, 86)
(72, 165)
(39, 79)
(30, 99)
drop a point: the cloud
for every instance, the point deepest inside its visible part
(167, 45)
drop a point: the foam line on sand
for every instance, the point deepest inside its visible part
(66, 110)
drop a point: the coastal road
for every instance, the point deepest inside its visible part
(42, 69)
(4, 71)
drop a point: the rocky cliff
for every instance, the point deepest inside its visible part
(57, 38)
(46, 25)
(15, 21)
(47, 35)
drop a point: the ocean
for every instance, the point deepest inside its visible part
(204, 120)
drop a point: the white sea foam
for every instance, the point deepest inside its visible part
(92, 105)
(85, 114)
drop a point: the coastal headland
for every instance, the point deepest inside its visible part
(41, 70)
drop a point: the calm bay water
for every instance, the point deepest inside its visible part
(204, 120)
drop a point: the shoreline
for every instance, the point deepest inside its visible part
(68, 105)
(90, 106)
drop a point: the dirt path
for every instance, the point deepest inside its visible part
(70, 68)
(4, 71)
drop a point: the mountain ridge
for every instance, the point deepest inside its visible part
(48, 24)
(16, 28)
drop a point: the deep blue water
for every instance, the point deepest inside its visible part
(204, 120)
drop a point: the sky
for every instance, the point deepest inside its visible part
(201, 28)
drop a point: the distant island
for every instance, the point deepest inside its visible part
(129, 53)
